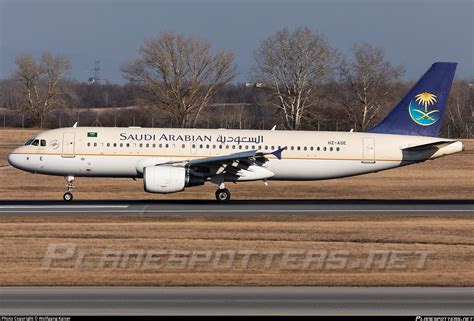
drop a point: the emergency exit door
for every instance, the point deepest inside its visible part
(368, 151)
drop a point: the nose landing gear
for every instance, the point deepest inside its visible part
(69, 185)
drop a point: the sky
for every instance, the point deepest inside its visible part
(413, 33)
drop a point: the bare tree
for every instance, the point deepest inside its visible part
(181, 74)
(367, 82)
(291, 65)
(10, 94)
(41, 83)
(459, 110)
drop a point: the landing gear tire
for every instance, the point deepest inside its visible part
(67, 196)
(223, 195)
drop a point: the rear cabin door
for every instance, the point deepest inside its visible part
(368, 151)
(68, 145)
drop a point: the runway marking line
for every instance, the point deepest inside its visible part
(61, 206)
(254, 211)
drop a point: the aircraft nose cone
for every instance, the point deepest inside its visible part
(13, 160)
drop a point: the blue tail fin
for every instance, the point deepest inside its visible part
(420, 112)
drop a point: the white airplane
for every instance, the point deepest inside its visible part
(170, 160)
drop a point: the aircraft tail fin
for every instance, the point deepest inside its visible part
(420, 112)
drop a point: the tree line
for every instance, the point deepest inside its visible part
(298, 81)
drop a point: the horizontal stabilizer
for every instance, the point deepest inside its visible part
(417, 147)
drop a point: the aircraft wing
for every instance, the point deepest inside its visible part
(247, 156)
(248, 163)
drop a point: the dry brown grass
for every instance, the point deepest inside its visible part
(24, 242)
(450, 177)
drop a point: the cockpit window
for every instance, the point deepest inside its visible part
(28, 142)
(35, 142)
(43, 142)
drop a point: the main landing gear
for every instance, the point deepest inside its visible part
(70, 185)
(222, 195)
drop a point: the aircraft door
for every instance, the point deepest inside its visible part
(68, 145)
(368, 151)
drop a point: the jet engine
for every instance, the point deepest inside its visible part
(168, 179)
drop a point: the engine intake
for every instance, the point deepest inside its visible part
(168, 179)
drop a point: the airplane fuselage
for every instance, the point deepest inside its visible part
(124, 152)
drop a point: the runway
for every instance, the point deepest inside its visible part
(238, 208)
(268, 300)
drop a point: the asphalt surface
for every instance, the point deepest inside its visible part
(269, 300)
(237, 208)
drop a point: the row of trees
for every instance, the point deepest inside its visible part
(298, 80)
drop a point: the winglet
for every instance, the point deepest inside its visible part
(278, 152)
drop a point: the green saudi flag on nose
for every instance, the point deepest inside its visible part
(92, 134)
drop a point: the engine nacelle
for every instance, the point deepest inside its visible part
(168, 179)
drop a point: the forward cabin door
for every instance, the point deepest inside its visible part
(368, 154)
(68, 145)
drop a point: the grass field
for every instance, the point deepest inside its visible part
(451, 177)
(24, 241)
(447, 239)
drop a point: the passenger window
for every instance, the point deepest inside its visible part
(108, 144)
(311, 148)
(147, 145)
(154, 145)
(319, 148)
(324, 148)
(115, 144)
(207, 146)
(266, 147)
(305, 148)
(337, 149)
(121, 144)
(128, 145)
(298, 148)
(200, 146)
(233, 146)
(183, 146)
(95, 144)
(240, 146)
(166, 145)
(88, 144)
(331, 149)
(292, 148)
